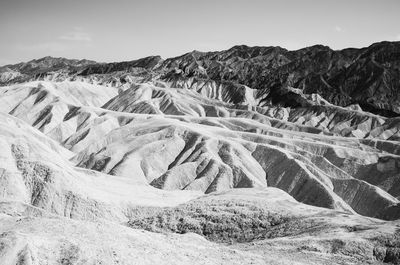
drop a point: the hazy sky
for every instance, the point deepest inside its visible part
(115, 30)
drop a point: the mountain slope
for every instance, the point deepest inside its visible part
(369, 76)
(177, 140)
(252, 155)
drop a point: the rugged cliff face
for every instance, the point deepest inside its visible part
(368, 77)
(293, 154)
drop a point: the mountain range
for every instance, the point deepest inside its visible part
(251, 155)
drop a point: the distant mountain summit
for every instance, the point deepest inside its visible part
(106, 68)
(47, 64)
(369, 76)
(34, 69)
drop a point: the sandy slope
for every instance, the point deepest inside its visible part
(36, 170)
(206, 151)
(35, 241)
(287, 232)
(86, 162)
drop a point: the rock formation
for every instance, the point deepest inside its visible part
(286, 156)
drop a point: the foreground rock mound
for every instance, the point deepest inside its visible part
(54, 240)
(278, 223)
(272, 227)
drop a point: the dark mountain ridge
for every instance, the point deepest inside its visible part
(369, 77)
(49, 63)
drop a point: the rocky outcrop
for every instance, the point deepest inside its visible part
(367, 77)
(344, 77)
(176, 139)
(35, 170)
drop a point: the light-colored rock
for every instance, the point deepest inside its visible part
(160, 156)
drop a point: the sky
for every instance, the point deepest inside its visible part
(122, 30)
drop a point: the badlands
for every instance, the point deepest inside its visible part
(253, 155)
